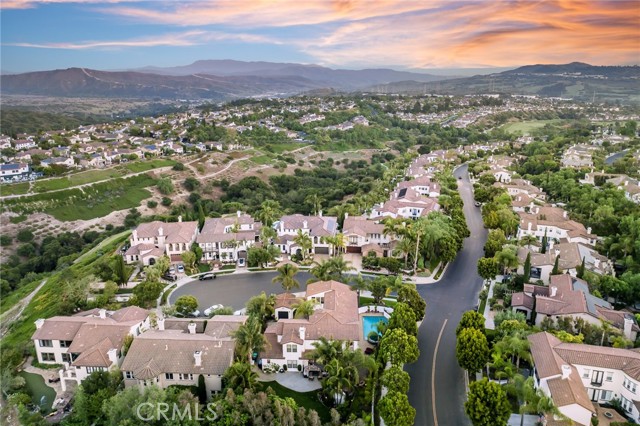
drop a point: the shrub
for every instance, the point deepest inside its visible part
(178, 167)
(166, 201)
(25, 235)
(152, 204)
(5, 240)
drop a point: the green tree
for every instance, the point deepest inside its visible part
(189, 260)
(395, 379)
(261, 307)
(472, 349)
(304, 308)
(495, 240)
(527, 268)
(487, 404)
(305, 243)
(580, 269)
(191, 184)
(398, 347)
(488, 268)
(120, 270)
(327, 350)
(197, 251)
(240, 376)
(286, 277)
(556, 266)
(270, 211)
(379, 288)
(545, 243)
(24, 236)
(186, 304)
(395, 409)
(165, 186)
(341, 381)
(411, 297)
(146, 293)
(92, 393)
(249, 339)
(404, 318)
(471, 319)
(507, 258)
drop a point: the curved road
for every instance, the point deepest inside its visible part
(437, 389)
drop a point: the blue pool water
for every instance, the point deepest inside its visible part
(369, 324)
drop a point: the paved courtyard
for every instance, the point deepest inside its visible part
(292, 380)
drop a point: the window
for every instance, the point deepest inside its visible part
(168, 376)
(292, 348)
(94, 369)
(185, 376)
(596, 377)
(605, 395)
(628, 384)
(626, 404)
(609, 376)
(128, 375)
(292, 364)
(66, 357)
(586, 374)
(46, 343)
(46, 356)
(65, 343)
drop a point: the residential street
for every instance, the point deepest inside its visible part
(439, 400)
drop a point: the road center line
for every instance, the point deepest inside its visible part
(433, 375)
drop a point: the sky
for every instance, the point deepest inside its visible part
(402, 34)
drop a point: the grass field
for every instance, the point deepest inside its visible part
(9, 301)
(14, 188)
(279, 148)
(262, 159)
(107, 242)
(92, 208)
(143, 166)
(524, 127)
(308, 400)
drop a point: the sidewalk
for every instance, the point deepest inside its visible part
(488, 313)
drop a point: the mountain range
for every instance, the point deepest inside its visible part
(219, 80)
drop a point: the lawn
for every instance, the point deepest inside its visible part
(308, 400)
(364, 301)
(527, 126)
(14, 188)
(142, 166)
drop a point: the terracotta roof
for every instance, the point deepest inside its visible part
(319, 226)
(174, 232)
(548, 362)
(567, 391)
(214, 229)
(522, 299)
(96, 356)
(130, 313)
(172, 351)
(90, 335)
(286, 300)
(601, 356)
(361, 226)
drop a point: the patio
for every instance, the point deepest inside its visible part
(293, 380)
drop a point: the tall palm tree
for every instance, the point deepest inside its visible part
(417, 228)
(528, 240)
(304, 308)
(269, 211)
(404, 247)
(316, 202)
(249, 339)
(327, 350)
(286, 277)
(338, 266)
(304, 241)
(358, 283)
(516, 347)
(321, 271)
(239, 376)
(341, 381)
(507, 258)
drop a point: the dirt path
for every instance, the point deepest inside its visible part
(11, 315)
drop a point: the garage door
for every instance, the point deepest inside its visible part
(353, 249)
(322, 250)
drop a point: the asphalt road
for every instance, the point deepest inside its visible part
(234, 289)
(437, 389)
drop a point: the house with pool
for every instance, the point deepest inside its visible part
(336, 317)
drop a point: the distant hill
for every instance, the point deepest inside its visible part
(211, 80)
(578, 81)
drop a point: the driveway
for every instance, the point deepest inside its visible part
(437, 389)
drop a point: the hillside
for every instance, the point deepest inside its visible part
(576, 80)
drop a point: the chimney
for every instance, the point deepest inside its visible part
(320, 213)
(304, 224)
(529, 226)
(554, 290)
(134, 236)
(556, 251)
(302, 333)
(588, 230)
(566, 371)
(192, 328)
(103, 313)
(346, 215)
(160, 231)
(113, 355)
(180, 218)
(197, 356)
(239, 213)
(564, 214)
(161, 324)
(628, 326)
(550, 244)
(39, 323)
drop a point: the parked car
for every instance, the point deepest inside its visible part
(477, 203)
(172, 270)
(207, 276)
(211, 309)
(181, 268)
(170, 277)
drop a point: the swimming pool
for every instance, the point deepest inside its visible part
(369, 323)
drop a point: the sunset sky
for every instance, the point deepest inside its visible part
(49, 34)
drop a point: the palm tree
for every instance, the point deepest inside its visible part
(304, 241)
(515, 346)
(342, 380)
(337, 268)
(316, 201)
(249, 339)
(327, 350)
(304, 308)
(606, 329)
(527, 240)
(417, 229)
(286, 277)
(507, 258)
(404, 247)
(239, 376)
(267, 234)
(337, 243)
(320, 271)
(358, 284)
(270, 210)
